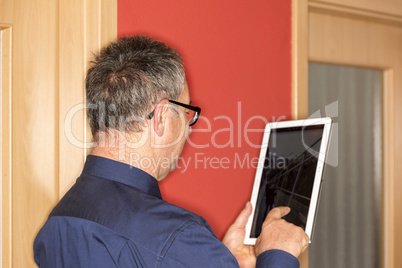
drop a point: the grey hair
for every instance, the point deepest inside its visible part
(127, 79)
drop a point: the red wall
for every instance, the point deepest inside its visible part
(237, 56)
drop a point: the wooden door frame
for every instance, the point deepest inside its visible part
(95, 27)
(300, 59)
(83, 27)
(5, 146)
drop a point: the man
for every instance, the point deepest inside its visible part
(114, 216)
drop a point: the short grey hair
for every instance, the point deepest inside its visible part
(127, 79)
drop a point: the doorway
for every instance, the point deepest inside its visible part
(369, 36)
(348, 230)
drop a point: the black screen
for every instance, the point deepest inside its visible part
(288, 174)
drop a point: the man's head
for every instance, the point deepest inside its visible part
(138, 97)
(127, 79)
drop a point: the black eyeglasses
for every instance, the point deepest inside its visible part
(192, 114)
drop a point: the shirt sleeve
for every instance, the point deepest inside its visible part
(275, 258)
(196, 246)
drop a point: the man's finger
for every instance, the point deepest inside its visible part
(242, 219)
(277, 213)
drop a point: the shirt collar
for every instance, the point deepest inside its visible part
(116, 171)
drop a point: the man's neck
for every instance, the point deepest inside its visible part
(122, 149)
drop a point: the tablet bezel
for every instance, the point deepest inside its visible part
(326, 122)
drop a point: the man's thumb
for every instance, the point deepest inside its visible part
(242, 219)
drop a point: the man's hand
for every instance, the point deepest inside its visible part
(234, 239)
(277, 233)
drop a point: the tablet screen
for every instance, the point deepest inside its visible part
(288, 174)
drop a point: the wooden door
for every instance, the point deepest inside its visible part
(45, 47)
(367, 34)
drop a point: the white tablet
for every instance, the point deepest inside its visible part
(289, 173)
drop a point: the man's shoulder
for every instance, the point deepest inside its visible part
(127, 211)
(110, 203)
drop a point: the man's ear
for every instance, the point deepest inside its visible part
(160, 115)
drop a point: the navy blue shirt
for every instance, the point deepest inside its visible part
(114, 216)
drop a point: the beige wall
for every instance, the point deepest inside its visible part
(50, 47)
